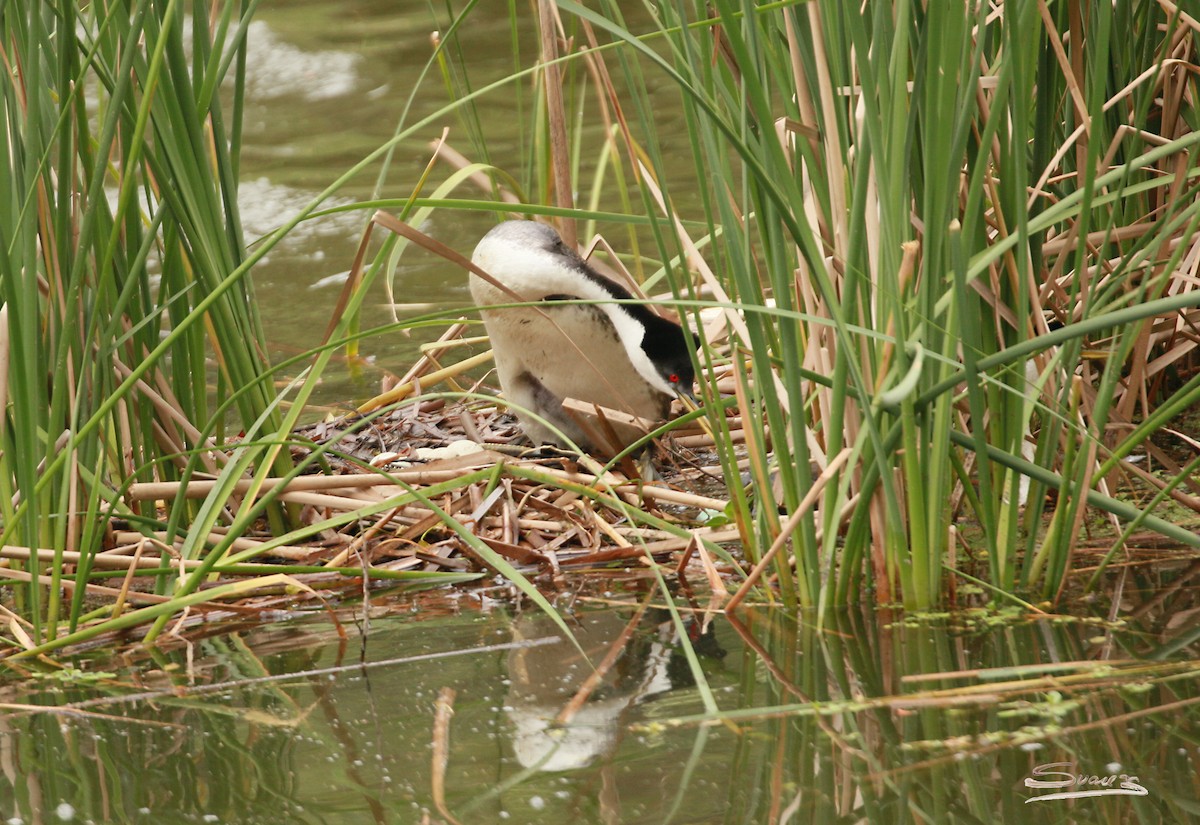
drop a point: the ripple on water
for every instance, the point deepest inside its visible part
(276, 68)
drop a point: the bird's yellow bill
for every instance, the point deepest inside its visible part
(688, 400)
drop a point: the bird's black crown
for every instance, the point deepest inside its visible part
(669, 347)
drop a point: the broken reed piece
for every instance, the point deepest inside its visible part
(602, 424)
(402, 391)
(166, 490)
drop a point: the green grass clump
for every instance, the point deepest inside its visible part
(122, 275)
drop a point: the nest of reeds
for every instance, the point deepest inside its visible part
(541, 510)
(420, 482)
(471, 493)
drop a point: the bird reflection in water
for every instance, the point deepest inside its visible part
(544, 681)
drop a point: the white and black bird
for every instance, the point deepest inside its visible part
(621, 356)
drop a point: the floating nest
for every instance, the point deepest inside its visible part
(418, 483)
(542, 510)
(412, 485)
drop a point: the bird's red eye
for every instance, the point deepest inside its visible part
(673, 378)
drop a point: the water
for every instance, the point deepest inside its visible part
(327, 84)
(875, 718)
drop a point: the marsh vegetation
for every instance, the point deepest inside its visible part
(941, 267)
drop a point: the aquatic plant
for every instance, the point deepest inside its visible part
(131, 351)
(952, 259)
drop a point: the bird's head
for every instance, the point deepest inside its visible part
(668, 348)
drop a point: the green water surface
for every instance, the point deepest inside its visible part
(874, 718)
